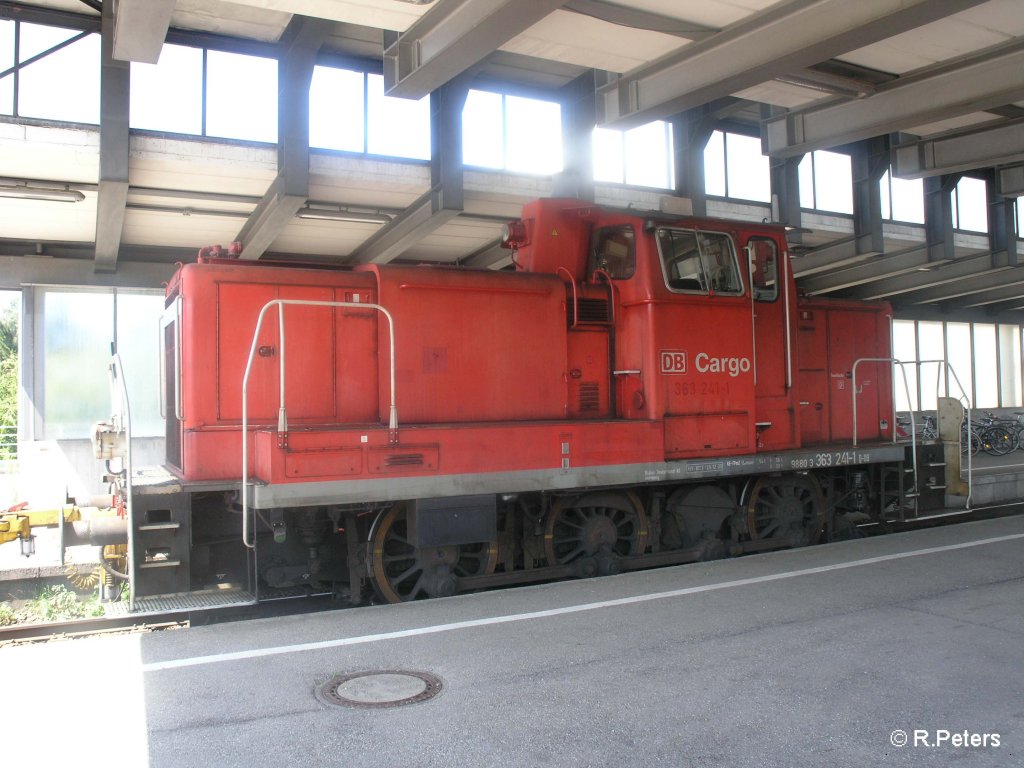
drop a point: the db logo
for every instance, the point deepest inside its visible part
(673, 361)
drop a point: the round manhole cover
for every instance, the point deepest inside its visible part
(379, 689)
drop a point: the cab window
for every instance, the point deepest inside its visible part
(614, 252)
(697, 261)
(764, 268)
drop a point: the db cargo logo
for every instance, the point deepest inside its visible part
(673, 361)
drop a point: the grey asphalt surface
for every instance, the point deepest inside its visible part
(786, 668)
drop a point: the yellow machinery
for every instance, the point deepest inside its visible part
(97, 524)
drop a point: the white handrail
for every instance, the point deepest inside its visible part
(913, 429)
(117, 371)
(282, 419)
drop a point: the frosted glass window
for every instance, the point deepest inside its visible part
(396, 127)
(904, 344)
(908, 200)
(749, 177)
(714, 165)
(970, 210)
(168, 95)
(608, 160)
(337, 114)
(805, 177)
(533, 135)
(826, 182)
(902, 199)
(138, 344)
(1009, 366)
(648, 153)
(6, 62)
(958, 354)
(833, 182)
(641, 156)
(483, 130)
(77, 331)
(36, 38)
(241, 96)
(986, 382)
(930, 343)
(64, 85)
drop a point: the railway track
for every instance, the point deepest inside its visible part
(181, 619)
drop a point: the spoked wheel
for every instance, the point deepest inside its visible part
(791, 505)
(594, 531)
(998, 441)
(401, 571)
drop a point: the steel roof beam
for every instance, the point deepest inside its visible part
(140, 27)
(636, 18)
(777, 41)
(577, 176)
(69, 264)
(112, 191)
(784, 180)
(417, 221)
(691, 132)
(1002, 224)
(938, 281)
(445, 199)
(1010, 180)
(995, 145)
(831, 256)
(986, 279)
(290, 189)
(870, 270)
(970, 84)
(869, 161)
(452, 37)
(1012, 290)
(487, 257)
(1010, 305)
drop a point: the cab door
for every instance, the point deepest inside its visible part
(770, 301)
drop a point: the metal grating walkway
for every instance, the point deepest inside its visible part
(192, 601)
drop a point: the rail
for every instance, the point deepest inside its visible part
(282, 415)
(855, 391)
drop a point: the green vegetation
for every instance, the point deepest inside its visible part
(8, 381)
(56, 603)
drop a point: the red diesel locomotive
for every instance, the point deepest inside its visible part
(643, 389)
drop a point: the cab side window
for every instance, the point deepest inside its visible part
(764, 268)
(614, 251)
(693, 260)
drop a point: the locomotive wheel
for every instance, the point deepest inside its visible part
(783, 506)
(401, 571)
(594, 531)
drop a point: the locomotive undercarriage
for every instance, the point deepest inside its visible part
(363, 554)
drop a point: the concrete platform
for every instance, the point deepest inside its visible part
(830, 655)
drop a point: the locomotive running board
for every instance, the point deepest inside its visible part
(268, 496)
(185, 602)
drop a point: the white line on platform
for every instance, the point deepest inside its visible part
(256, 653)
